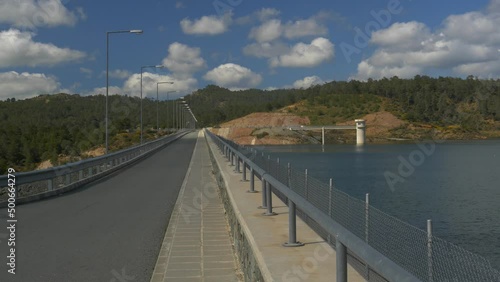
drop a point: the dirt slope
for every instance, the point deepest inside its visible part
(270, 128)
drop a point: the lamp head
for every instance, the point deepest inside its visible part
(136, 31)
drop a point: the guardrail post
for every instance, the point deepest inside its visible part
(292, 227)
(90, 171)
(80, 174)
(252, 181)
(238, 169)
(50, 185)
(231, 156)
(264, 194)
(269, 198)
(307, 188)
(67, 180)
(341, 261)
(429, 249)
(244, 177)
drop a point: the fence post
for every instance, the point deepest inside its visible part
(252, 181)
(278, 168)
(341, 261)
(323, 135)
(292, 227)
(264, 200)
(231, 155)
(307, 188)
(268, 166)
(80, 174)
(269, 198)
(367, 215)
(330, 207)
(289, 176)
(367, 221)
(67, 181)
(429, 249)
(244, 179)
(237, 163)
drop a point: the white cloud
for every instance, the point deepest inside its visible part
(302, 28)
(132, 85)
(474, 28)
(489, 69)
(37, 13)
(207, 25)
(179, 5)
(26, 85)
(183, 60)
(112, 90)
(466, 44)
(261, 15)
(273, 29)
(306, 55)
(271, 88)
(266, 32)
(233, 76)
(17, 48)
(265, 49)
(88, 72)
(402, 36)
(307, 82)
(265, 14)
(120, 74)
(494, 6)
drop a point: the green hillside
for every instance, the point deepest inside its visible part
(50, 126)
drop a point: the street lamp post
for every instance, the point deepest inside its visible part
(158, 102)
(136, 31)
(181, 107)
(142, 69)
(168, 99)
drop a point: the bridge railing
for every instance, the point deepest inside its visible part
(34, 185)
(379, 246)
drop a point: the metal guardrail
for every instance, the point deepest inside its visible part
(35, 185)
(379, 246)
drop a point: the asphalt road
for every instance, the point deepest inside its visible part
(110, 230)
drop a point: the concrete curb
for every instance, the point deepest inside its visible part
(222, 179)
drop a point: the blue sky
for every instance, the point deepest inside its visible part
(49, 46)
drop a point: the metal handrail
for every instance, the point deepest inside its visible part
(385, 265)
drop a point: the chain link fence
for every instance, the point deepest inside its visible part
(425, 256)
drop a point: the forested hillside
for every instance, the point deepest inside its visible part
(467, 103)
(48, 126)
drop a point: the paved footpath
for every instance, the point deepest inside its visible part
(197, 246)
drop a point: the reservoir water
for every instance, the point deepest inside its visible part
(456, 184)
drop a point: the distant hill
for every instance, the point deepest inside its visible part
(65, 127)
(468, 103)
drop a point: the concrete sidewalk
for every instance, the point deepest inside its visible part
(264, 235)
(197, 245)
